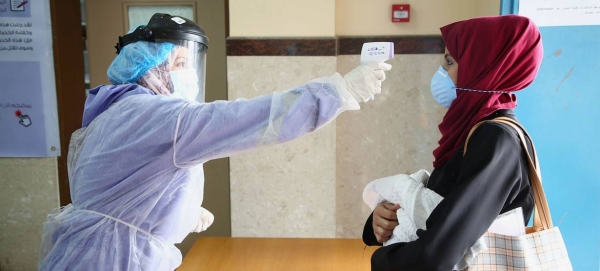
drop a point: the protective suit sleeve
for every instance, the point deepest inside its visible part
(207, 131)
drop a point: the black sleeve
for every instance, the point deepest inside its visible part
(368, 235)
(489, 173)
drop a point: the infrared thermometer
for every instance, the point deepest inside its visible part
(376, 52)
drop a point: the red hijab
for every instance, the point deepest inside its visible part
(499, 53)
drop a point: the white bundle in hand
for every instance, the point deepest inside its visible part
(416, 204)
(407, 191)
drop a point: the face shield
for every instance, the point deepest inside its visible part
(175, 48)
(187, 69)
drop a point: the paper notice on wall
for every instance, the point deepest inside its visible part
(561, 12)
(28, 113)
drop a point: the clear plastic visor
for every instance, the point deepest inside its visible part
(182, 74)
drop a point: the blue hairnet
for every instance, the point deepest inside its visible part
(136, 59)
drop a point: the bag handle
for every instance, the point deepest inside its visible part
(542, 219)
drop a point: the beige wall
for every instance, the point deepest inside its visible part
(371, 18)
(318, 18)
(396, 133)
(278, 18)
(360, 17)
(487, 7)
(312, 186)
(286, 190)
(29, 191)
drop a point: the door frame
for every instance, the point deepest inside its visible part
(68, 46)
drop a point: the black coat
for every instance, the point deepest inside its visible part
(492, 178)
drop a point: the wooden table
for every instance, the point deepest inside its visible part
(280, 254)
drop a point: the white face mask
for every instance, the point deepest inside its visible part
(443, 88)
(185, 84)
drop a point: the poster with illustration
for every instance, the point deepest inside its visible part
(28, 113)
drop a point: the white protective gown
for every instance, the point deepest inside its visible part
(136, 171)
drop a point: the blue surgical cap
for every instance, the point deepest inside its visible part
(136, 59)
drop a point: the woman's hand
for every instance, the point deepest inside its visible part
(384, 220)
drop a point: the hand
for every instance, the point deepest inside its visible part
(365, 81)
(384, 220)
(205, 219)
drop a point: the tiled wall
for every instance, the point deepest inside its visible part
(396, 133)
(318, 192)
(28, 192)
(312, 186)
(286, 190)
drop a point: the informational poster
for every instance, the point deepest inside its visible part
(28, 113)
(561, 12)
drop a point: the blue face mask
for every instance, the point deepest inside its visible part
(442, 88)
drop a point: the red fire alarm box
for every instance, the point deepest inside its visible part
(400, 13)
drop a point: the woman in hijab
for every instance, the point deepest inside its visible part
(487, 59)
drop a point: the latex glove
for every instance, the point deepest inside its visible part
(384, 220)
(205, 219)
(365, 81)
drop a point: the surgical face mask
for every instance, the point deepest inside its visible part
(442, 88)
(185, 84)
